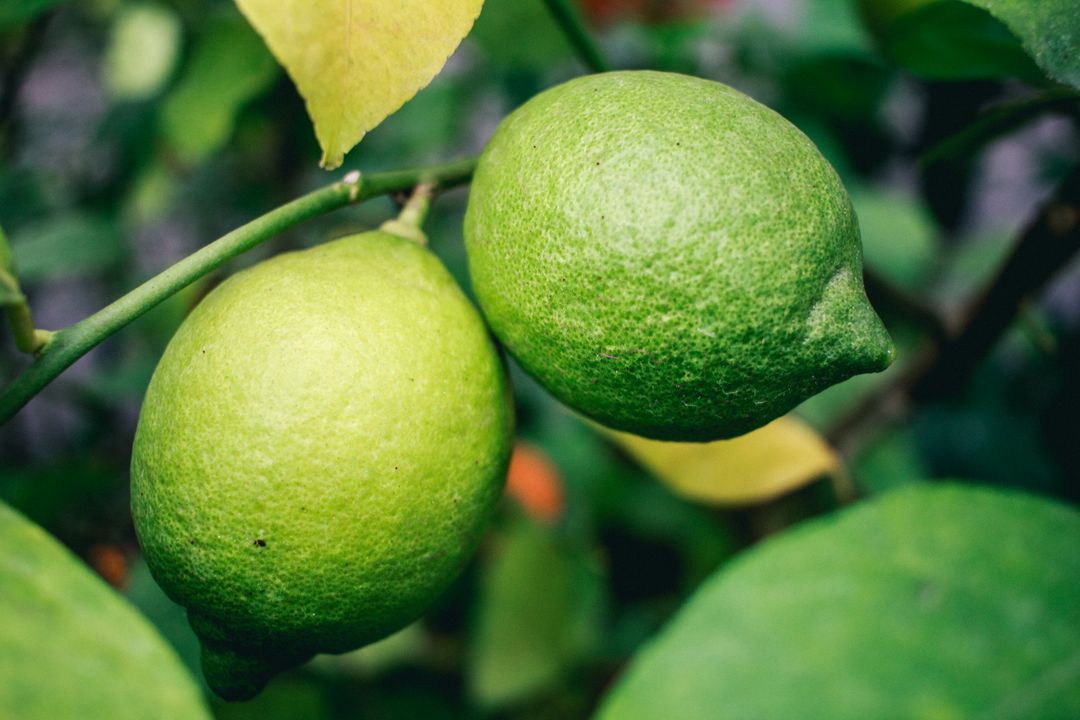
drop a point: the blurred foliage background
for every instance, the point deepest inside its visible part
(134, 132)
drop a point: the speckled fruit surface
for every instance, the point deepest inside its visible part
(668, 256)
(319, 450)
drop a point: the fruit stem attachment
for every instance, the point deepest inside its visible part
(573, 26)
(409, 222)
(28, 339)
(65, 346)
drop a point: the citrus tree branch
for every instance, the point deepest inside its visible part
(573, 26)
(69, 344)
(27, 338)
(1046, 244)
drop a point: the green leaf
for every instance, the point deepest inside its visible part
(67, 245)
(1049, 29)
(144, 45)
(931, 602)
(9, 294)
(229, 67)
(70, 647)
(831, 26)
(900, 238)
(9, 284)
(168, 618)
(14, 12)
(950, 40)
(537, 617)
(356, 62)
(541, 47)
(7, 259)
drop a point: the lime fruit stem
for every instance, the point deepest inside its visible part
(409, 222)
(65, 346)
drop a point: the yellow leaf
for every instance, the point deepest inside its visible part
(759, 466)
(357, 61)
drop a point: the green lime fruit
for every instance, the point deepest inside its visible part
(319, 450)
(668, 256)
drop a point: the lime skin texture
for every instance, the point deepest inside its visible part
(668, 256)
(318, 453)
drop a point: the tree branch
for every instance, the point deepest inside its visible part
(1049, 240)
(573, 26)
(11, 78)
(71, 343)
(1047, 243)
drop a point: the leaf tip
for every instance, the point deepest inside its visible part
(331, 161)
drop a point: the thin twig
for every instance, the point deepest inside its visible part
(573, 26)
(1047, 243)
(71, 343)
(999, 120)
(1045, 246)
(11, 79)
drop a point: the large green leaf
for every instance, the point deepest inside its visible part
(356, 62)
(951, 40)
(933, 602)
(1049, 29)
(70, 647)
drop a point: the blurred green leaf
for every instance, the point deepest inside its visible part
(14, 12)
(1050, 30)
(900, 238)
(832, 26)
(973, 263)
(169, 618)
(950, 40)
(812, 83)
(930, 602)
(423, 128)
(70, 647)
(229, 67)
(46, 493)
(403, 647)
(144, 44)
(890, 460)
(539, 47)
(70, 244)
(7, 259)
(9, 294)
(537, 616)
(9, 284)
(287, 698)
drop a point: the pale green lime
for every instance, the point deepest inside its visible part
(318, 452)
